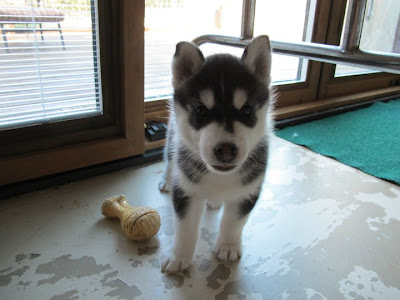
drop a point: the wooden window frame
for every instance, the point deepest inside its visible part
(321, 90)
(119, 134)
(326, 90)
(334, 87)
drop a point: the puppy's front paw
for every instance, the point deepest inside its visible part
(164, 186)
(228, 251)
(172, 264)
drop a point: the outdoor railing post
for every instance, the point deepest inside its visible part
(352, 26)
(248, 13)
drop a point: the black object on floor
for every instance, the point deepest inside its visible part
(155, 131)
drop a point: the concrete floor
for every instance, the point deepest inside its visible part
(321, 230)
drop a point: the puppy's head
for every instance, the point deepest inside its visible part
(221, 102)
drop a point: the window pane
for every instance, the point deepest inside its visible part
(49, 67)
(288, 69)
(284, 20)
(284, 68)
(287, 21)
(346, 70)
(168, 22)
(381, 28)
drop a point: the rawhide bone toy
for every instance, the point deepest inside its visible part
(138, 223)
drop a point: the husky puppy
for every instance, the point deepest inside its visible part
(217, 144)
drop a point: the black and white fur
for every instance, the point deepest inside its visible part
(217, 144)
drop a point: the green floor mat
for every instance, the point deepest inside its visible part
(367, 139)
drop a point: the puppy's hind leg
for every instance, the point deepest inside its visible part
(229, 241)
(188, 211)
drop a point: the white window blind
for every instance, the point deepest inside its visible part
(49, 61)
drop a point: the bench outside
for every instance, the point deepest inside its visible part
(30, 16)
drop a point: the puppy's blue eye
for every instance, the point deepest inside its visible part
(246, 110)
(201, 111)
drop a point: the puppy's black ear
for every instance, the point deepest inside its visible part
(187, 61)
(257, 58)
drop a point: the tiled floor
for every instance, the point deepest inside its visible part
(322, 230)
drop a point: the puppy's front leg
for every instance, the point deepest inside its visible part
(164, 184)
(229, 242)
(188, 211)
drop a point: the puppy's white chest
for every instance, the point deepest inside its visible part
(222, 188)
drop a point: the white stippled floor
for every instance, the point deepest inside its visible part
(321, 230)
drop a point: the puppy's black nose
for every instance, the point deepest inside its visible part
(225, 152)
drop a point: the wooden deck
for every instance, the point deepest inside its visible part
(160, 48)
